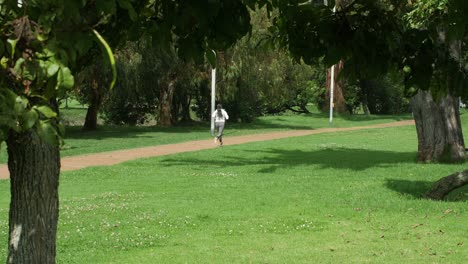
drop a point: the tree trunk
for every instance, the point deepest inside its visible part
(165, 103)
(339, 101)
(438, 127)
(95, 103)
(91, 118)
(447, 184)
(186, 108)
(34, 173)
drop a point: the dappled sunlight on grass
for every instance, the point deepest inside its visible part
(347, 197)
(335, 158)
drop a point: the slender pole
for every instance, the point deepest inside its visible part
(332, 86)
(213, 97)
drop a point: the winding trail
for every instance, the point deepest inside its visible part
(119, 156)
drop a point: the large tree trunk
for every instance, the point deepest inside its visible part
(165, 103)
(447, 184)
(438, 127)
(339, 102)
(34, 172)
(94, 104)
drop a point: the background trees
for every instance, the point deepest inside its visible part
(44, 43)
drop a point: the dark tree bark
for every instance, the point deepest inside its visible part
(180, 107)
(165, 103)
(447, 184)
(34, 173)
(438, 127)
(185, 108)
(96, 99)
(364, 96)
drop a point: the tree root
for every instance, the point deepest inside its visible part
(447, 184)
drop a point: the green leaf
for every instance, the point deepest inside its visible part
(9, 98)
(211, 55)
(28, 119)
(110, 54)
(4, 62)
(46, 111)
(125, 4)
(30, 71)
(61, 130)
(20, 105)
(106, 7)
(52, 68)
(11, 46)
(47, 132)
(18, 65)
(65, 79)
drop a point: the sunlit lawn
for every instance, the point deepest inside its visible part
(109, 138)
(349, 197)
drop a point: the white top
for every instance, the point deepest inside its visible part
(220, 119)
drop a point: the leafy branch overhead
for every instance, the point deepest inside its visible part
(44, 42)
(374, 37)
(41, 43)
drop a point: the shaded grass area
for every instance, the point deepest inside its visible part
(109, 138)
(349, 197)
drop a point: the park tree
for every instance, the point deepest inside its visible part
(135, 95)
(257, 78)
(42, 45)
(91, 89)
(436, 103)
(421, 38)
(374, 37)
(339, 101)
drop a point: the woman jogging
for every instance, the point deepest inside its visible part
(220, 116)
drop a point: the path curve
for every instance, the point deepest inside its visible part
(119, 156)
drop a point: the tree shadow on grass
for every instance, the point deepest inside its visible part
(109, 131)
(274, 159)
(413, 189)
(417, 189)
(275, 123)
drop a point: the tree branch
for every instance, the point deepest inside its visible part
(447, 184)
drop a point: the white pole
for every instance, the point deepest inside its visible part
(332, 86)
(213, 95)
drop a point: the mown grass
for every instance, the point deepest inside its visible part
(109, 138)
(349, 197)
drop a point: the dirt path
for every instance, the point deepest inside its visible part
(118, 156)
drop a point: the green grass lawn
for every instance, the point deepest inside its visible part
(109, 138)
(350, 197)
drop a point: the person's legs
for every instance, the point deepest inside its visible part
(216, 131)
(220, 126)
